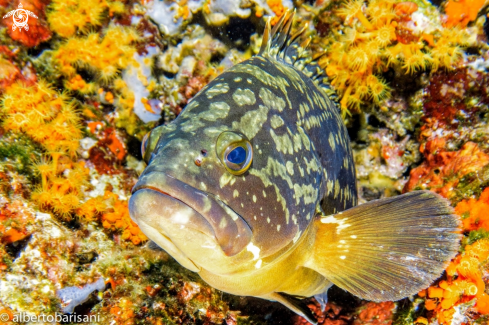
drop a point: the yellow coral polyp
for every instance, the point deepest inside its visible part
(49, 118)
(78, 84)
(378, 88)
(358, 59)
(105, 56)
(66, 17)
(385, 35)
(352, 10)
(43, 114)
(416, 61)
(374, 38)
(91, 208)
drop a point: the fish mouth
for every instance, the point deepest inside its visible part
(170, 205)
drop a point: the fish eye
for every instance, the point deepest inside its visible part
(235, 152)
(237, 155)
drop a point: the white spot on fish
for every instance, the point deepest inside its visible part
(258, 264)
(254, 250)
(342, 257)
(225, 179)
(340, 222)
(223, 223)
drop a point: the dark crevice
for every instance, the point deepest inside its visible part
(15, 248)
(134, 147)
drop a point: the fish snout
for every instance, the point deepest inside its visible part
(177, 209)
(159, 209)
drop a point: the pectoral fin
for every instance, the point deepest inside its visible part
(151, 245)
(387, 249)
(295, 304)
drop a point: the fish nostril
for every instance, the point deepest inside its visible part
(203, 152)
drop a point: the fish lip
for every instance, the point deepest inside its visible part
(231, 244)
(183, 202)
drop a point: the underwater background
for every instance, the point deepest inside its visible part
(88, 79)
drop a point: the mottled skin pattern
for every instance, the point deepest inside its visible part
(286, 224)
(301, 149)
(302, 167)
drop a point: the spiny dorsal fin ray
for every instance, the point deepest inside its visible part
(266, 38)
(284, 35)
(388, 249)
(278, 44)
(291, 52)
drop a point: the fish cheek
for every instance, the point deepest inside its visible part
(264, 210)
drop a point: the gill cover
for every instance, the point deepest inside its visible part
(150, 140)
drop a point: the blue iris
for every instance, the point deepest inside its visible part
(237, 155)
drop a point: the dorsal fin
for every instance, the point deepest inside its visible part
(294, 50)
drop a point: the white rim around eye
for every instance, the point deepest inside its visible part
(226, 142)
(144, 143)
(241, 168)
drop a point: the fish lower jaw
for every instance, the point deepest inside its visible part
(161, 197)
(164, 242)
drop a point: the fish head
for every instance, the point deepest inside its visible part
(218, 193)
(174, 200)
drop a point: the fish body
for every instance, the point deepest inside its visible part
(253, 187)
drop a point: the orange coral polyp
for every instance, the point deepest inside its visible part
(434, 292)
(430, 304)
(478, 212)
(482, 304)
(464, 281)
(119, 220)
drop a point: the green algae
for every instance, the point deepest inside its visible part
(474, 236)
(408, 311)
(17, 153)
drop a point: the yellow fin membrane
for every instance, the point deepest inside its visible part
(387, 249)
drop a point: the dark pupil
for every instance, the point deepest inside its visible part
(237, 156)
